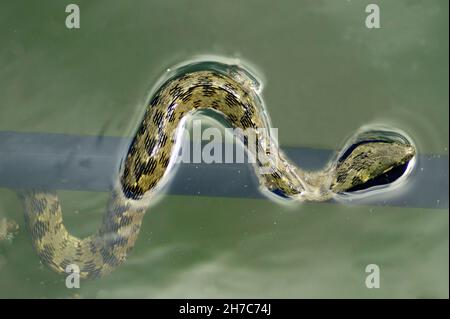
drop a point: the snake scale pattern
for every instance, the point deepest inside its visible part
(227, 90)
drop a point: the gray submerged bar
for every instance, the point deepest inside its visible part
(90, 163)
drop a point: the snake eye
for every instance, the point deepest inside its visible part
(373, 160)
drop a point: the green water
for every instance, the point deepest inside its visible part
(325, 74)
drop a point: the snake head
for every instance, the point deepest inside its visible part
(371, 163)
(245, 78)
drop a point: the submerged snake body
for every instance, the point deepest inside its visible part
(230, 93)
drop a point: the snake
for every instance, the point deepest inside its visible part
(231, 92)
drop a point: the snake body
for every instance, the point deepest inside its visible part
(227, 90)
